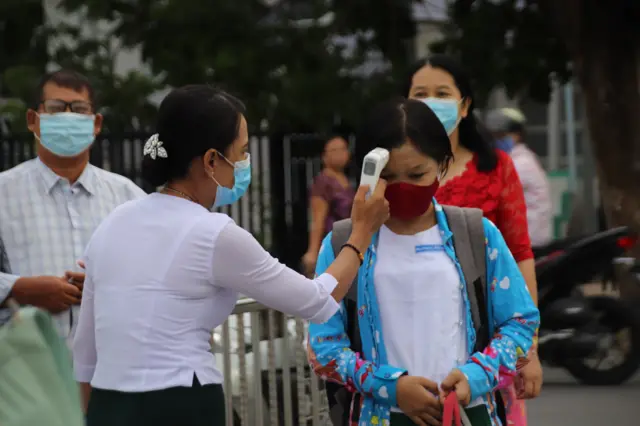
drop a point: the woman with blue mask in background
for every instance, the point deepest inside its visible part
(484, 177)
(163, 271)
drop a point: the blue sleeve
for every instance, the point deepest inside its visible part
(514, 315)
(331, 358)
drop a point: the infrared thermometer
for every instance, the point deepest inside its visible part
(373, 164)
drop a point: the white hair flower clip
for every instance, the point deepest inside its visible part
(153, 148)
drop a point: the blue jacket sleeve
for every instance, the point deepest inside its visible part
(515, 317)
(331, 358)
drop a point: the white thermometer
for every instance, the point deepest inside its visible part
(373, 164)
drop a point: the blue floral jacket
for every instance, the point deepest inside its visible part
(513, 319)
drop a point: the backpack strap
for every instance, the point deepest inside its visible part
(340, 234)
(469, 242)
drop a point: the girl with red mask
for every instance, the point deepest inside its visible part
(483, 177)
(413, 313)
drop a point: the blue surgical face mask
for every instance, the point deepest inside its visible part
(66, 134)
(506, 144)
(242, 175)
(446, 110)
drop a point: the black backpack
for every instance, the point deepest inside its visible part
(469, 242)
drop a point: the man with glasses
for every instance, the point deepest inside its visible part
(52, 204)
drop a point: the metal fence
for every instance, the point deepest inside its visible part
(275, 209)
(267, 379)
(122, 154)
(301, 162)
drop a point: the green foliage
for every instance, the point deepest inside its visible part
(20, 42)
(294, 75)
(391, 21)
(15, 112)
(122, 99)
(20, 80)
(282, 57)
(22, 56)
(508, 43)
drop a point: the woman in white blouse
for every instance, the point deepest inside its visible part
(163, 271)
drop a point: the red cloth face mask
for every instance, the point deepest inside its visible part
(408, 201)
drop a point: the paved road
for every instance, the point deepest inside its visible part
(564, 403)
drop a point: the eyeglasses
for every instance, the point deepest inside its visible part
(53, 106)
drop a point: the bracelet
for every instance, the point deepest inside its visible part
(354, 248)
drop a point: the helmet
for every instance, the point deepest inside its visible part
(505, 120)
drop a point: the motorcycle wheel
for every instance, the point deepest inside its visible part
(615, 315)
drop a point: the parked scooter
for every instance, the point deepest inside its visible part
(580, 332)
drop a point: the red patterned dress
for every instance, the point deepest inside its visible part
(500, 195)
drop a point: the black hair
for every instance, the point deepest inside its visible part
(332, 136)
(191, 120)
(476, 141)
(396, 122)
(69, 79)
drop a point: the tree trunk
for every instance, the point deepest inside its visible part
(610, 86)
(604, 41)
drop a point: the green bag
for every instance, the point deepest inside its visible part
(475, 416)
(37, 386)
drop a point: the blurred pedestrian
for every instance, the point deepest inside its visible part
(508, 128)
(331, 197)
(483, 177)
(53, 203)
(164, 271)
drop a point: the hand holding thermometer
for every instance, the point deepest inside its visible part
(373, 164)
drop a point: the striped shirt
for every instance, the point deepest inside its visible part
(46, 222)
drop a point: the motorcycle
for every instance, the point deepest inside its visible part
(579, 332)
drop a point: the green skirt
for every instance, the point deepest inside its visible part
(180, 406)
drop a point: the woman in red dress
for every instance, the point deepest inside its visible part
(483, 177)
